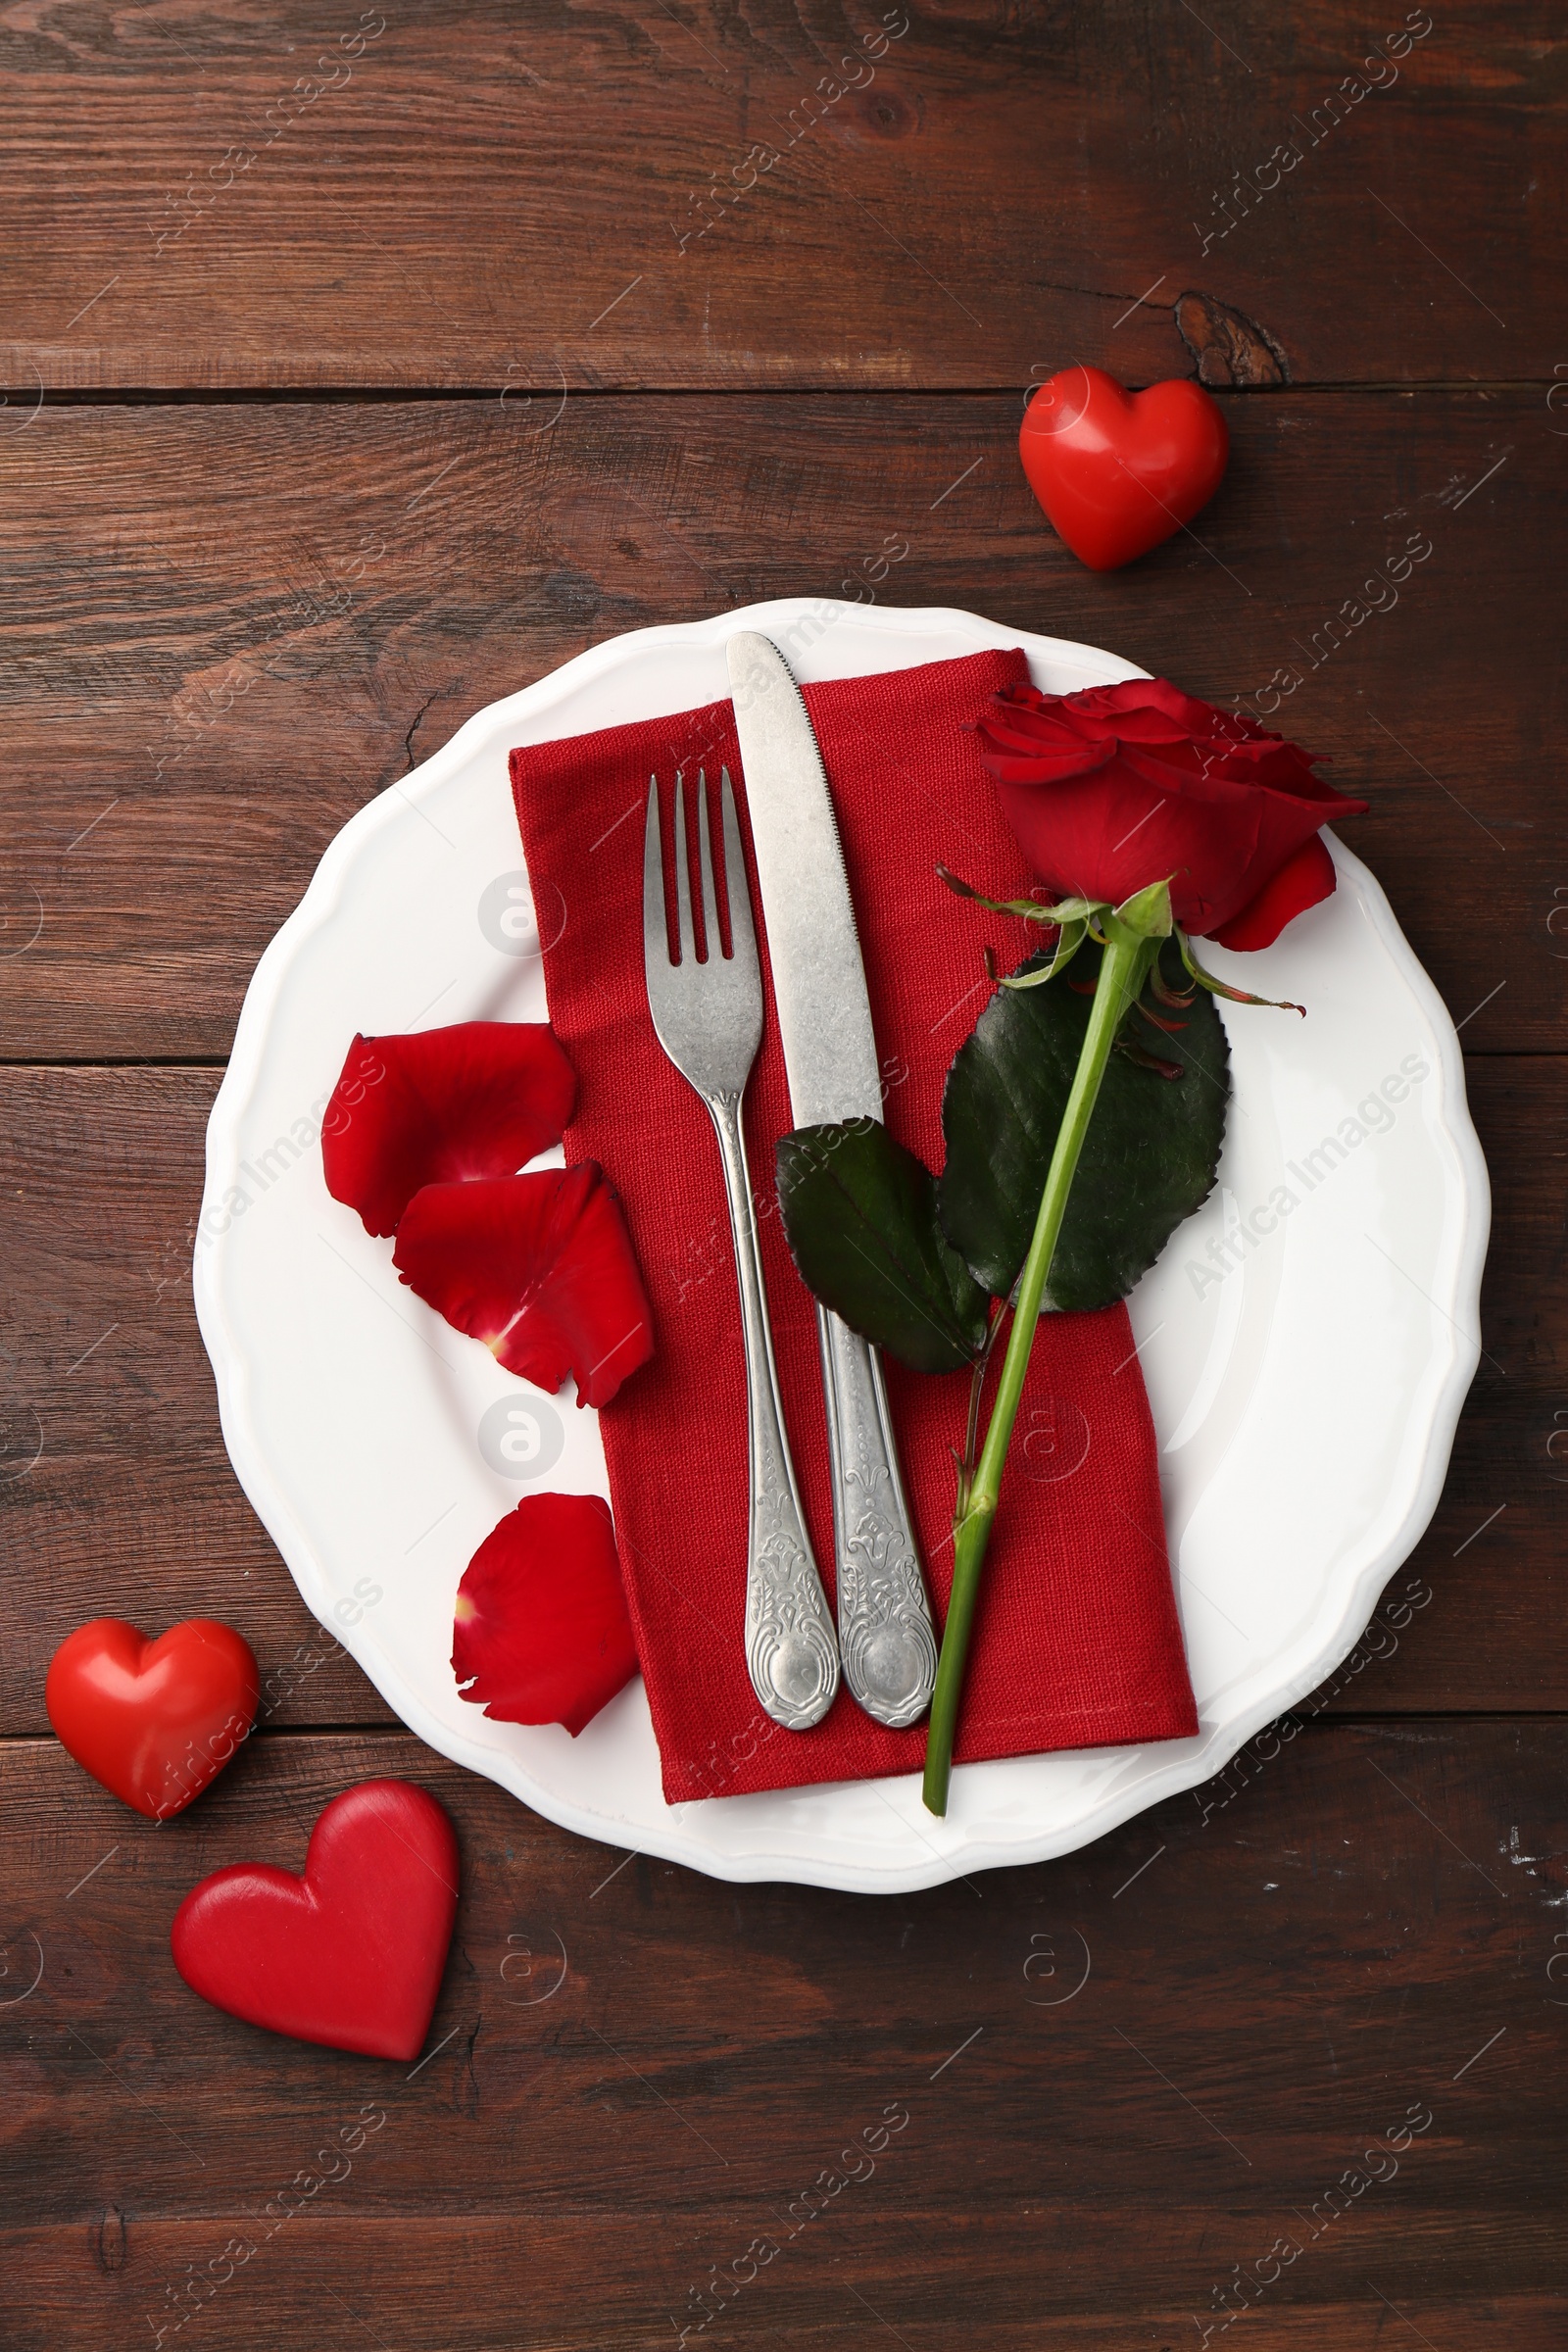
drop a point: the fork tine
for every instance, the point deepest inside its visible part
(742, 931)
(710, 934)
(655, 918)
(683, 882)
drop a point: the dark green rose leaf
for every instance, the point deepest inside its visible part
(1149, 1160)
(860, 1216)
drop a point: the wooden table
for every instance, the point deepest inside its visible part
(346, 397)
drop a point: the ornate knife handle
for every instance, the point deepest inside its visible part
(790, 1652)
(885, 1633)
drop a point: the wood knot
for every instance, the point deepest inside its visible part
(1229, 347)
(885, 113)
(109, 2239)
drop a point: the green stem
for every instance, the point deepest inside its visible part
(1123, 968)
(977, 1384)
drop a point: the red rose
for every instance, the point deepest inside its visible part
(1118, 786)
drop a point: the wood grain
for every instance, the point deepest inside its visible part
(327, 423)
(487, 194)
(130, 1509)
(1152, 2060)
(233, 625)
(116, 1491)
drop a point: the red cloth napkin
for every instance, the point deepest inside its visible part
(1076, 1643)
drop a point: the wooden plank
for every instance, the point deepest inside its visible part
(130, 1509)
(232, 627)
(117, 1494)
(1117, 2081)
(499, 196)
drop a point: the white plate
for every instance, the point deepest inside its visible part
(1306, 1401)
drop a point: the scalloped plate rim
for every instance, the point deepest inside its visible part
(1190, 1762)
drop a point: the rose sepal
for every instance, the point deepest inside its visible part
(1221, 988)
(1069, 940)
(1146, 913)
(1065, 910)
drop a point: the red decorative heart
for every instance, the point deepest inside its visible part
(155, 1721)
(351, 1954)
(1117, 471)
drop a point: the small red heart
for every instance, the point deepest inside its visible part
(351, 1954)
(1117, 471)
(154, 1721)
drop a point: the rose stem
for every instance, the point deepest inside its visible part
(977, 1383)
(1123, 967)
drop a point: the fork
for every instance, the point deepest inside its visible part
(707, 1016)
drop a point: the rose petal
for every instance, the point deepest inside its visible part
(477, 1099)
(1304, 881)
(540, 1267)
(540, 1632)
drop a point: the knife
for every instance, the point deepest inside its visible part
(886, 1640)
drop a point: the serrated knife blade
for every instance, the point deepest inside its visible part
(886, 1640)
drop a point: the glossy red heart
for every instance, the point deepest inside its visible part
(155, 1721)
(351, 1954)
(1118, 471)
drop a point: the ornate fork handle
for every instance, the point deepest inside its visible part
(790, 1650)
(885, 1632)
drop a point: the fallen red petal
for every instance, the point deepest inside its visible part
(540, 1267)
(438, 1106)
(540, 1631)
(1303, 881)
